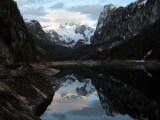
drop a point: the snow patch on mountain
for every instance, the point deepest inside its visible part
(144, 2)
(149, 53)
(70, 33)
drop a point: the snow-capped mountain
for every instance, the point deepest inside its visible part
(126, 32)
(125, 21)
(71, 34)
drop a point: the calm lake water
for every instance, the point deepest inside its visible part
(99, 93)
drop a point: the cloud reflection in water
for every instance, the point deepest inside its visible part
(77, 100)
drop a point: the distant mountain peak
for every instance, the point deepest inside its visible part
(70, 33)
(107, 10)
(33, 24)
(141, 2)
(110, 6)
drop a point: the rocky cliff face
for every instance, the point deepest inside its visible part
(41, 38)
(21, 96)
(143, 46)
(125, 21)
(16, 44)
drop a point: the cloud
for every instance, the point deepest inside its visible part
(95, 110)
(49, 12)
(59, 116)
(52, 12)
(40, 11)
(57, 17)
(35, 1)
(57, 6)
(92, 11)
(43, 19)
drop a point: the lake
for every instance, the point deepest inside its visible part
(105, 93)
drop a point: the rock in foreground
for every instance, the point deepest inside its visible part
(24, 93)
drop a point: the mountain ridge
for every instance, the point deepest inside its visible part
(125, 21)
(122, 25)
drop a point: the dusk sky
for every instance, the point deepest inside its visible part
(52, 12)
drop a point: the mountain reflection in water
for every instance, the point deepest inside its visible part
(105, 94)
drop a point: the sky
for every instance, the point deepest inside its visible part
(53, 12)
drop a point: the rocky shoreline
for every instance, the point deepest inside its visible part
(108, 63)
(25, 91)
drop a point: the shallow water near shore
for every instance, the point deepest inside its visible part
(101, 93)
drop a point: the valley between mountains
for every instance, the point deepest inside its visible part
(129, 32)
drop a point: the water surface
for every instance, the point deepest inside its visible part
(100, 93)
